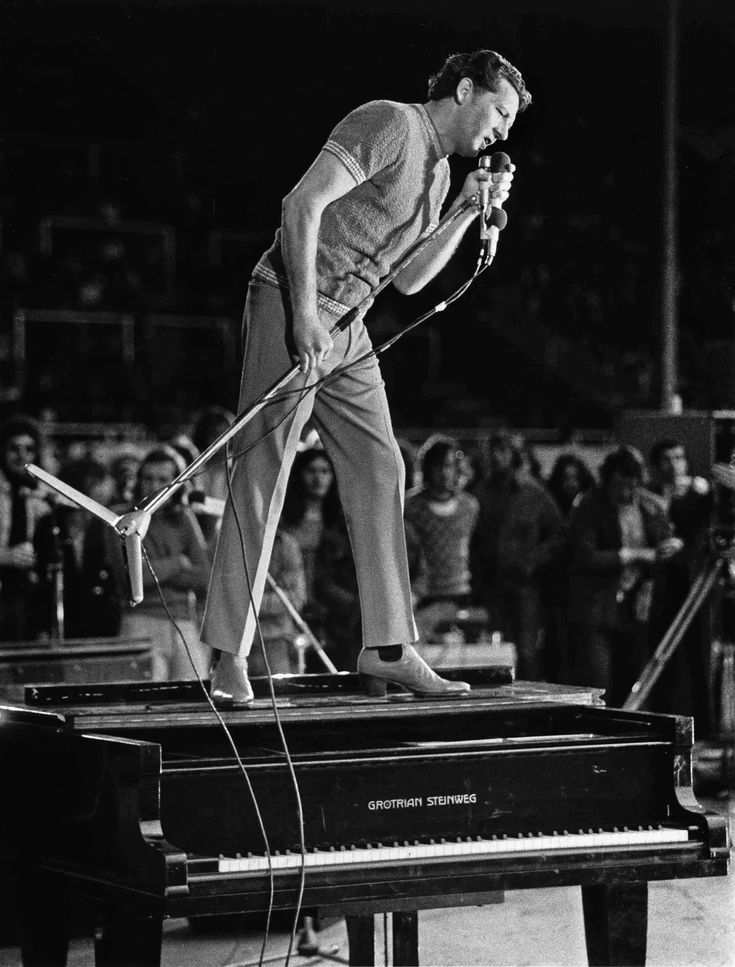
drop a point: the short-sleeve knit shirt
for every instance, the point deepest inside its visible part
(401, 175)
(445, 541)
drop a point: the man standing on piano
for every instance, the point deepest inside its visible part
(374, 190)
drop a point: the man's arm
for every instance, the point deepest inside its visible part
(436, 255)
(325, 181)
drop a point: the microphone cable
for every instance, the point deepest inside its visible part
(277, 719)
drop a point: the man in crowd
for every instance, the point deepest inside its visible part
(519, 530)
(621, 538)
(375, 189)
(443, 518)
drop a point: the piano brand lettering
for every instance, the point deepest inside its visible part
(418, 801)
(465, 797)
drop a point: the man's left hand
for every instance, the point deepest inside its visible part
(498, 184)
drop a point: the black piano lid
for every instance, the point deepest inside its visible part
(142, 705)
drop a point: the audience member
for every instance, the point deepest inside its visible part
(684, 687)
(569, 478)
(177, 553)
(310, 506)
(443, 517)
(620, 540)
(20, 511)
(78, 597)
(519, 530)
(124, 470)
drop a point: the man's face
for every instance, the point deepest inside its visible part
(19, 451)
(485, 117)
(622, 490)
(443, 478)
(672, 465)
(501, 458)
(156, 476)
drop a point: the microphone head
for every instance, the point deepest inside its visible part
(498, 161)
(497, 219)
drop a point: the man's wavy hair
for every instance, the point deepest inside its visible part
(485, 68)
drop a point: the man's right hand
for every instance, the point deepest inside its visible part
(313, 342)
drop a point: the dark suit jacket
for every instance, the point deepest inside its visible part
(596, 539)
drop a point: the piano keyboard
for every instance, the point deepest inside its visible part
(450, 849)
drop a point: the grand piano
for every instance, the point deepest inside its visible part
(131, 798)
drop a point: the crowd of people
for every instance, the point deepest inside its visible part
(582, 575)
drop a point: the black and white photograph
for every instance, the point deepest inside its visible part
(367, 483)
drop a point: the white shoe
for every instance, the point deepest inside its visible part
(410, 671)
(230, 683)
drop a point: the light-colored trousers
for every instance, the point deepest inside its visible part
(350, 413)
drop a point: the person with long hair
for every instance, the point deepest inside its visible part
(311, 505)
(570, 476)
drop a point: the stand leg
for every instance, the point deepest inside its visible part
(361, 937)
(616, 923)
(129, 941)
(406, 939)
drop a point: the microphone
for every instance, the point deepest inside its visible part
(491, 225)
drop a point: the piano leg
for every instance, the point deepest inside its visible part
(129, 941)
(361, 938)
(406, 938)
(616, 923)
(43, 913)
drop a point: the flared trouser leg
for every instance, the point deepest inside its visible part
(352, 417)
(351, 414)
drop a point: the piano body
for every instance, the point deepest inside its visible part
(131, 797)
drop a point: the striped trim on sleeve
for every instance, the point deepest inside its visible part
(347, 160)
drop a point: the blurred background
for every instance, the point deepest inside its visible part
(145, 148)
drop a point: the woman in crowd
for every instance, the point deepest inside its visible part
(311, 506)
(569, 478)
